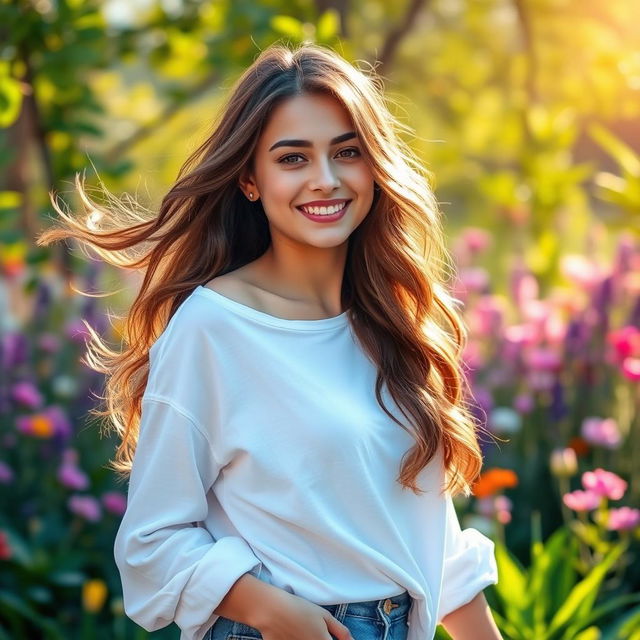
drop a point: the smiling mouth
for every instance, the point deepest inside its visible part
(324, 211)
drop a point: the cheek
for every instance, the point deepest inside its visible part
(280, 185)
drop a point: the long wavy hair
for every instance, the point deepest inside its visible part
(396, 272)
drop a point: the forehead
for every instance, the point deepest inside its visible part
(315, 117)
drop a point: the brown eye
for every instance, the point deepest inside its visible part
(356, 151)
(292, 155)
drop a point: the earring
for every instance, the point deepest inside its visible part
(251, 195)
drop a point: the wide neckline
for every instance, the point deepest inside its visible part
(266, 318)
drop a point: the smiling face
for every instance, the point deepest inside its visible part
(309, 154)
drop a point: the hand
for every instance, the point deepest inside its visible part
(291, 617)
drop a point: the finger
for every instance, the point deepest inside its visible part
(340, 631)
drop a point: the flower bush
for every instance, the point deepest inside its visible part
(554, 379)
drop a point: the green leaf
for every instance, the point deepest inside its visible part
(288, 26)
(583, 595)
(592, 633)
(512, 586)
(328, 25)
(17, 605)
(551, 577)
(605, 609)
(10, 100)
(628, 160)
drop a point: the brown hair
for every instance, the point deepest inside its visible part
(394, 284)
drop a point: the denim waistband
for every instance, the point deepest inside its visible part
(385, 608)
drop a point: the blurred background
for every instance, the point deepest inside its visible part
(526, 112)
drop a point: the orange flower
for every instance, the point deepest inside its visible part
(41, 426)
(494, 480)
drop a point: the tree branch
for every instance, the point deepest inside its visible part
(395, 36)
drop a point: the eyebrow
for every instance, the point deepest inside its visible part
(308, 143)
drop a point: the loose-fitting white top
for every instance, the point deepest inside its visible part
(262, 449)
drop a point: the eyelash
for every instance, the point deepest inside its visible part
(298, 155)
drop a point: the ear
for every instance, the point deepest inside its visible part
(247, 184)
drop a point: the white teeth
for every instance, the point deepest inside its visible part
(324, 211)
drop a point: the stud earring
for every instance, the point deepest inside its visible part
(251, 195)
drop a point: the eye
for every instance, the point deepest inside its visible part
(284, 159)
(355, 149)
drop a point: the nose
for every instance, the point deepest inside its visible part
(326, 177)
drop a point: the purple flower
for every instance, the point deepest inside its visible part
(114, 502)
(13, 351)
(76, 330)
(581, 500)
(624, 253)
(558, 408)
(6, 473)
(49, 342)
(523, 403)
(26, 394)
(86, 507)
(604, 433)
(42, 300)
(61, 423)
(72, 477)
(623, 518)
(604, 483)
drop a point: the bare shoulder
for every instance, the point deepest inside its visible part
(235, 286)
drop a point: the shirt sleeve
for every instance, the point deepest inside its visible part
(171, 569)
(469, 564)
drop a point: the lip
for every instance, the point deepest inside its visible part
(328, 218)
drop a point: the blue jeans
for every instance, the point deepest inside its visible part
(384, 619)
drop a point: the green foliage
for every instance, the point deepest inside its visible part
(623, 190)
(549, 601)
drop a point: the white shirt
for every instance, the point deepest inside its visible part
(262, 449)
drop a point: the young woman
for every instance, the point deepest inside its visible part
(290, 401)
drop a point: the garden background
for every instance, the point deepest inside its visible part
(526, 112)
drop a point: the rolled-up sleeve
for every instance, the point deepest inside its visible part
(469, 564)
(173, 570)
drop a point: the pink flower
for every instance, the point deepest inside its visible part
(521, 334)
(541, 359)
(498, 507)
(582, 271)
(581, 500)
(625, 342)
(476, 240)
(488, 316)
(631, 369)
(86, 507)
(72, 477)
(523, 403)
(474, 279)
(114, 502)
(623, 518)
(604, 433)
(604, 483)
(26, 394)
(524, 287)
